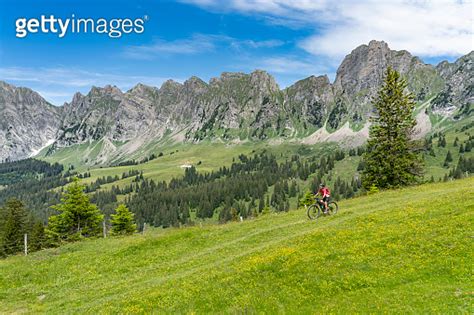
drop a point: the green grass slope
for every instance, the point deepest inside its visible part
(404, 251)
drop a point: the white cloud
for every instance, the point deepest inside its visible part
(425, 28)
(198, 43)
(257, 44)
(292, 65)
(193, 45)
(270, 7)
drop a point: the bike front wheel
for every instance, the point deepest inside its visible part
(333, 207)
(313, 212)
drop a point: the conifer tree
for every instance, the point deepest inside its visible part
(390, 159)
(261, 204)
(77, 215)
(468, 146)
(14, 227)
(307, 199)
(36, 237)
(293, 189)
(448, 159)
(122, 221)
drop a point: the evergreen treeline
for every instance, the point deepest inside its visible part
(38, 193)
(12, 172)
(464, 167)
(238, 191)
(230, 192)
(134, 162)
(228, 189)
(76, 217)
(40, 186)
(101, 181)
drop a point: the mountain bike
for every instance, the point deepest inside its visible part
(316, 210)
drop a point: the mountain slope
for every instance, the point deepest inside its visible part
(27, 122)
(399, 251)
(457, 95)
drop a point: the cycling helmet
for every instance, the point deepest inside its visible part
(321, 185)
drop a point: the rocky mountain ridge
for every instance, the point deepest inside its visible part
(27, 122)
(234, 107)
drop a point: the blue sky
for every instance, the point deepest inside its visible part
(289, 39)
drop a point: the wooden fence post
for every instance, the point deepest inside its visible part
(26, 244)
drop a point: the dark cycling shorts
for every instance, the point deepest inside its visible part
(326, 199)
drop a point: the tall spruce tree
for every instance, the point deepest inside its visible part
(77, 215)
(390, 159)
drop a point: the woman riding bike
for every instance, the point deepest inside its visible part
(325, 196)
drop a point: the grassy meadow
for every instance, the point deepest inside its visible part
(401, 251)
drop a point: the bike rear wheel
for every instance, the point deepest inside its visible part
(333, 207)
(313, 212)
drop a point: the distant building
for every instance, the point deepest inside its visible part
(187, 165)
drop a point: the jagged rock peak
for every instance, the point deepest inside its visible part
(315, 81)
(258, 73)
(232, 75)
(194, 81)
(258, 78)
(446, 68)
(140, 88)
(12, 88)
(365, 66)
(108, 89)
(226, 76)
(261, 74)
(377, 44)
(170, 84)
(21, 93)
(77, 96)
(4, 84)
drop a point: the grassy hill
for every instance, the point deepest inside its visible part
(403, 251)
